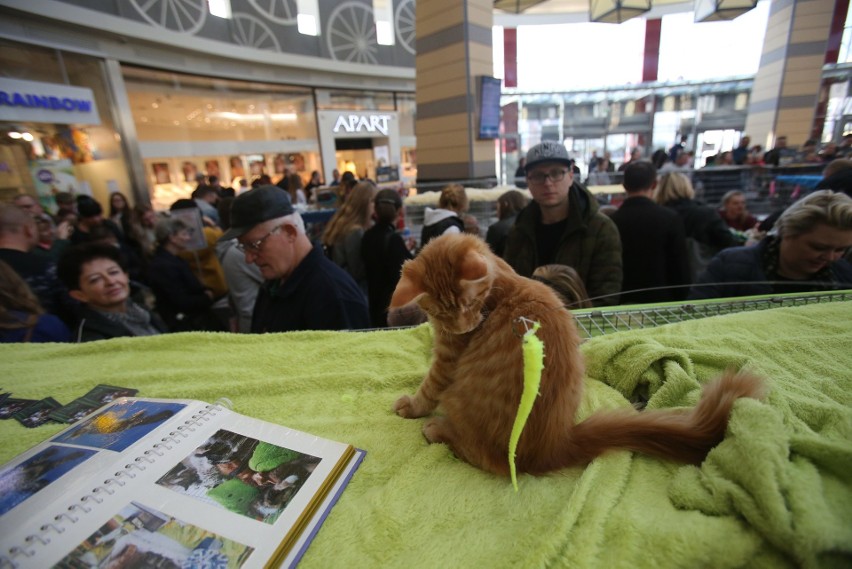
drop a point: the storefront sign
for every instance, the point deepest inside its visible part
(362, 123)
(34, 101)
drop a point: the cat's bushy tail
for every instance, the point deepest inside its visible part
(670, 434)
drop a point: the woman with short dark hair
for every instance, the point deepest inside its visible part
(96, 278)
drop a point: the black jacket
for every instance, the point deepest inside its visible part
(181, 299)
(93, 325)
(383, 252)
(653, 249)
(318, 295)
(429, 232)
(702, 223)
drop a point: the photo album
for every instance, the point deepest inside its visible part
(169, 483)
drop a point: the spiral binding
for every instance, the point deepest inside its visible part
(73, 512)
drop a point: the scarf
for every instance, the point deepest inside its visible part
(136, 319)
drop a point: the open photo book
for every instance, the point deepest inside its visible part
(169, 483)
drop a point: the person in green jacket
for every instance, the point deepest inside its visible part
(563, 225)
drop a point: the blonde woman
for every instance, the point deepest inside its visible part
(447, 218)
(805, 254)
(342, 236)
(706, 232)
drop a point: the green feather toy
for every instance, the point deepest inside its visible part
(533, 353)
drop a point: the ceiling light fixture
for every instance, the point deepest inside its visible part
(515, 6)
(715, 10)
(617, 11)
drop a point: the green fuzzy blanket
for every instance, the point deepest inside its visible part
(777, 492)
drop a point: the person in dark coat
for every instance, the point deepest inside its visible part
(653, 242)
(804, 255)
(383, 252)
(837, 176)
(564, 225)
(182, 300)
(302, 289)
(706, 232)
(22, 319)
(508, 205)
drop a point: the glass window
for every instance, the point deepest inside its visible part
(328, 99)
(80, 158)
(191, 128)
(175, 107)
(405, 104)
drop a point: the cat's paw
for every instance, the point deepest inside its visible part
(433, 430)
(404, 407)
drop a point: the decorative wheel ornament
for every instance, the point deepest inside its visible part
(351, 34)
(185, 16)
(405, 25)
(250, 31)
(279, 11)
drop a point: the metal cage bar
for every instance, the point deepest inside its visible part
(598, 322)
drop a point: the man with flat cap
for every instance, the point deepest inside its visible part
(303, 290)
(563, 225)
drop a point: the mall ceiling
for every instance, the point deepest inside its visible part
(512, 13)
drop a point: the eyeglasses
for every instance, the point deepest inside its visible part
(255, 246)
(539, 178)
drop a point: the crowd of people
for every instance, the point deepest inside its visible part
(246, 263)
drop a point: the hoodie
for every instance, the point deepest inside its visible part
(437, 222)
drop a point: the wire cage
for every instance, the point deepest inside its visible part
(484, 210)
(593, 322)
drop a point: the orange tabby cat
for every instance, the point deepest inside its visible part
(472, 298)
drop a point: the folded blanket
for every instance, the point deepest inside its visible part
(784, 470)
(775, 493)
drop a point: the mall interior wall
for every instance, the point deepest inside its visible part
(453, 50)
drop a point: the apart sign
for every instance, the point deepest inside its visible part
(362, 123)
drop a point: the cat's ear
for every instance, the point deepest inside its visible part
(473, 275)
(408, 289)
(473, 266)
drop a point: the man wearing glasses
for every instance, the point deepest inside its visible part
(303, 290)
(563, 225)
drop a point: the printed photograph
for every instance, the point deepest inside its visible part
(75, 411)
(11, 405)
(38, 413)
(161, 173)
(212, 167)
(279, 163)
(257, 165)
(249, 477)
(237, 169)
(96, 398)
(190, 171)
(106, 393)
(17, 483)
(139, 536)
(120, 425)
(192, 218)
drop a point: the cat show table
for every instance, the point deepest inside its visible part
(776, 492)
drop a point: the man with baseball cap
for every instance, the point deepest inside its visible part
(563, 225)
(303, 290)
